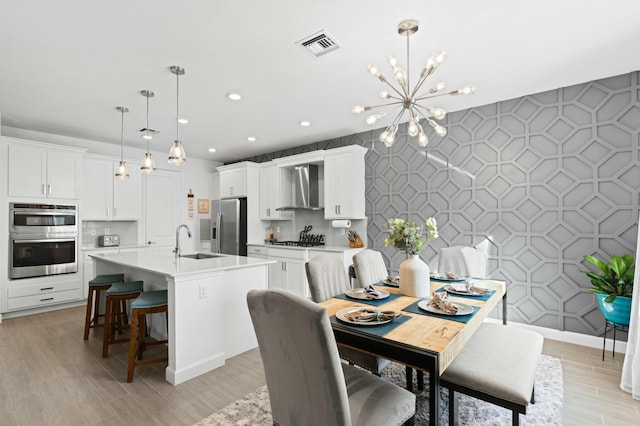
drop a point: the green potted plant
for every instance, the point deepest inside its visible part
(613, 287)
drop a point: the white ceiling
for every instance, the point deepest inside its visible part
(66, 64)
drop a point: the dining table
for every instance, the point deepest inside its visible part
(422, 339)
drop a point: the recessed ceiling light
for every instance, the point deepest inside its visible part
(305, 123)
(234, 96)
(183, 121)
(251, 139)
(212, 150)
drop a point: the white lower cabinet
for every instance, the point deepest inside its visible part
(288, 272)
(43, 291)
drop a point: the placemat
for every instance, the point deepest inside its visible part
(372, 302)
(484, 297)
(414, 309)
(378, 330)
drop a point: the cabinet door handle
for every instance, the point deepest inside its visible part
(115, 211)
(339, 209)
(46, 288)
(49, 189)
(46, 299)
(107, 211)
(44, 189)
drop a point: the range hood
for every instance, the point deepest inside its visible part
(305, 189)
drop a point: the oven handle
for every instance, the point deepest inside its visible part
(47, 240)
(46, 212)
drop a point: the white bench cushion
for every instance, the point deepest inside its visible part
(499, 361)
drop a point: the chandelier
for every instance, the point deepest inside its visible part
(408, 98)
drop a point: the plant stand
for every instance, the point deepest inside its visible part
(604, 339)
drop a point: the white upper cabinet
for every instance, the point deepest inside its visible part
(344, 183)
(234, 177)
(40, 172)
(275, 191)
(104, 197)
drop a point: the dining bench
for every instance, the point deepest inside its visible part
(498, 365)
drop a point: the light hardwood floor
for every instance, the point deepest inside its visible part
(50, 376)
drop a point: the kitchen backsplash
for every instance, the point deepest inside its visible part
(290, 229)
(128, 231)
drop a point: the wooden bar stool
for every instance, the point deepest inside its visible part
(115, 308)
(96, 286)
(149, 302)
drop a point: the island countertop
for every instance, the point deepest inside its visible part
(164, 262)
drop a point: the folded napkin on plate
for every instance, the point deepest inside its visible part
(441, 302)
(461, 287)
(443, 276)
(371, 315)
(371, 292)
(479, 290)
(393, 280)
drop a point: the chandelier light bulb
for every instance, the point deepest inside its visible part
(400, 75)
(438, 87)
(374, 70)
(413, 127)
(440, 57)
(383, 136)
(438, 113)
(466, 90)
(385, 95)
(373, 119)
(423, 140)
(392, 61)
(357, 109)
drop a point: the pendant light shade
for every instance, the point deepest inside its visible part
(148, 165)
(122, 172)
(177, 156)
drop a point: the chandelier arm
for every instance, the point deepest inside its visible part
(370, 107)
(435, 95)
(402, 95)
(398, 117)
(419, 85)
(418, 107)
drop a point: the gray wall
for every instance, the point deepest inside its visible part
(547, 178)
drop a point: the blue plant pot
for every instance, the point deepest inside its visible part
(618, 311)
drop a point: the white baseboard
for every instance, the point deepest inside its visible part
(570, 337)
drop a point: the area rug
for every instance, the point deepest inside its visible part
(254, 409)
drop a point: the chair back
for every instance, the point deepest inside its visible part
(326, 277)
(304, 375)
(463, 260)
(370, 267)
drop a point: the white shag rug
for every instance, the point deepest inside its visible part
(254, 408)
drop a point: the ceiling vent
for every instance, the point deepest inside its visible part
(318, 44)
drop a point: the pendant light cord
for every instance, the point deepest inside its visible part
(177, 106)
(147, 130)
(122, 136)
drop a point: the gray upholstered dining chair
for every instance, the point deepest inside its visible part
(327, 278)
(463, 260)
(307, 383)
(370, 267)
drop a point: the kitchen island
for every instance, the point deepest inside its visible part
(209, 320)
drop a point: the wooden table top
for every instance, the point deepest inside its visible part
(442, 336)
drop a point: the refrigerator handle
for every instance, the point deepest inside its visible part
(218, 231)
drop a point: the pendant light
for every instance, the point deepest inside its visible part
(177, 156)
(148, 165)
(122, 172)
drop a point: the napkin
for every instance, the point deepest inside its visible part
(392, 279)
(371, 292)
(461, 287)
(441, 302)
(371, 315)
(443, 276)
(479, 290)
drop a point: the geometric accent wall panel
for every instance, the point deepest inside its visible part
(547, 178)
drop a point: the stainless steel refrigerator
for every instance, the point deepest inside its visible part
(229, 226)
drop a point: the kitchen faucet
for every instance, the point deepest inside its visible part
(177, 249)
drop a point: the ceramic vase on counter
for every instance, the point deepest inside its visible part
(414, 277)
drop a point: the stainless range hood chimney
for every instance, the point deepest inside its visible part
(305, 185)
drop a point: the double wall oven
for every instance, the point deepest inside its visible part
(43, 240)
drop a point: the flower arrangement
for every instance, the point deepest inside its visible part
(406, 235)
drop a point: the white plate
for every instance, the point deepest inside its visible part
(359, 293)
(392, 284)
(435, 276)
(462, 308)
(451, 290)
(342, 312)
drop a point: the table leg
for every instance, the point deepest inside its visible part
(434, 396)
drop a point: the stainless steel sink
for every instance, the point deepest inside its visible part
(199, 256)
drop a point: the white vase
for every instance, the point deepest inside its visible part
(414, 277)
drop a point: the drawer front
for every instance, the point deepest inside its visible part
(256, 250)
(26, 302)
(43, 288)
(298, 254)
